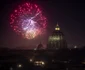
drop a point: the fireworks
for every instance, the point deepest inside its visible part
(27, 20)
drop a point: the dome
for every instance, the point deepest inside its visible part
(40, 46)
(56, 40)
(57, 33)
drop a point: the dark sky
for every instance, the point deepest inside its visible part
(69, 15)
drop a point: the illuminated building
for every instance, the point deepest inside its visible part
(56, 40)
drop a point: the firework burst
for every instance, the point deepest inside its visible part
(28, 21)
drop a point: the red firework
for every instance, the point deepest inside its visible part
(28, 20)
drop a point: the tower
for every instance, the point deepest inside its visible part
(56, 40)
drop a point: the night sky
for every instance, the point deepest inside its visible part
(69, 15)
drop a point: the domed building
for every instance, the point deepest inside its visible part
(56, 40)
(40, 46)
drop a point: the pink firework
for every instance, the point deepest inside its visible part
(27, 20)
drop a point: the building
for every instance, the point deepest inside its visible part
(56, 40)
(40, 46)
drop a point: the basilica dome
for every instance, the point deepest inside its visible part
(56, 40)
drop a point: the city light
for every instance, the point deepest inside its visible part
(75, 46)
(35, 49)
(39, 63)
(31, 60)
(19, 65)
